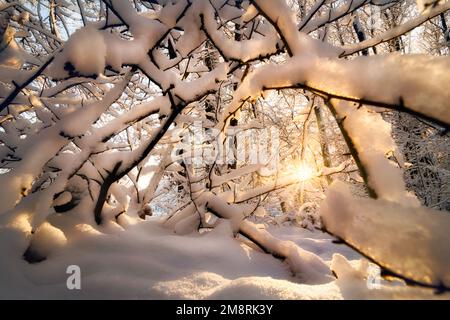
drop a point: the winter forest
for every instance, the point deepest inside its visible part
(224, 149)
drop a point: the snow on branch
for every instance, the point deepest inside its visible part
(410, 84)
(410, 242)
(397, 31)
(305, 265)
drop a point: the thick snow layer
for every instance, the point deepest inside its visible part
(384, 176)
(78, 51)
(149, 261)
(414, 82)
(412, 241)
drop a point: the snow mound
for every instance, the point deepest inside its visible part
(208, 285)
(147, 261)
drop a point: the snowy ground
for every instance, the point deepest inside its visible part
(147, 261)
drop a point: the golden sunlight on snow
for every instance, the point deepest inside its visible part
(21, 222)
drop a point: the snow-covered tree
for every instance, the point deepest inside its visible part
(112, 111)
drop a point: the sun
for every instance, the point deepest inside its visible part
(304, 172)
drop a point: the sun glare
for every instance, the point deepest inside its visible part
(304, 172)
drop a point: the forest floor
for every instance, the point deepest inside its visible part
(147, 261)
